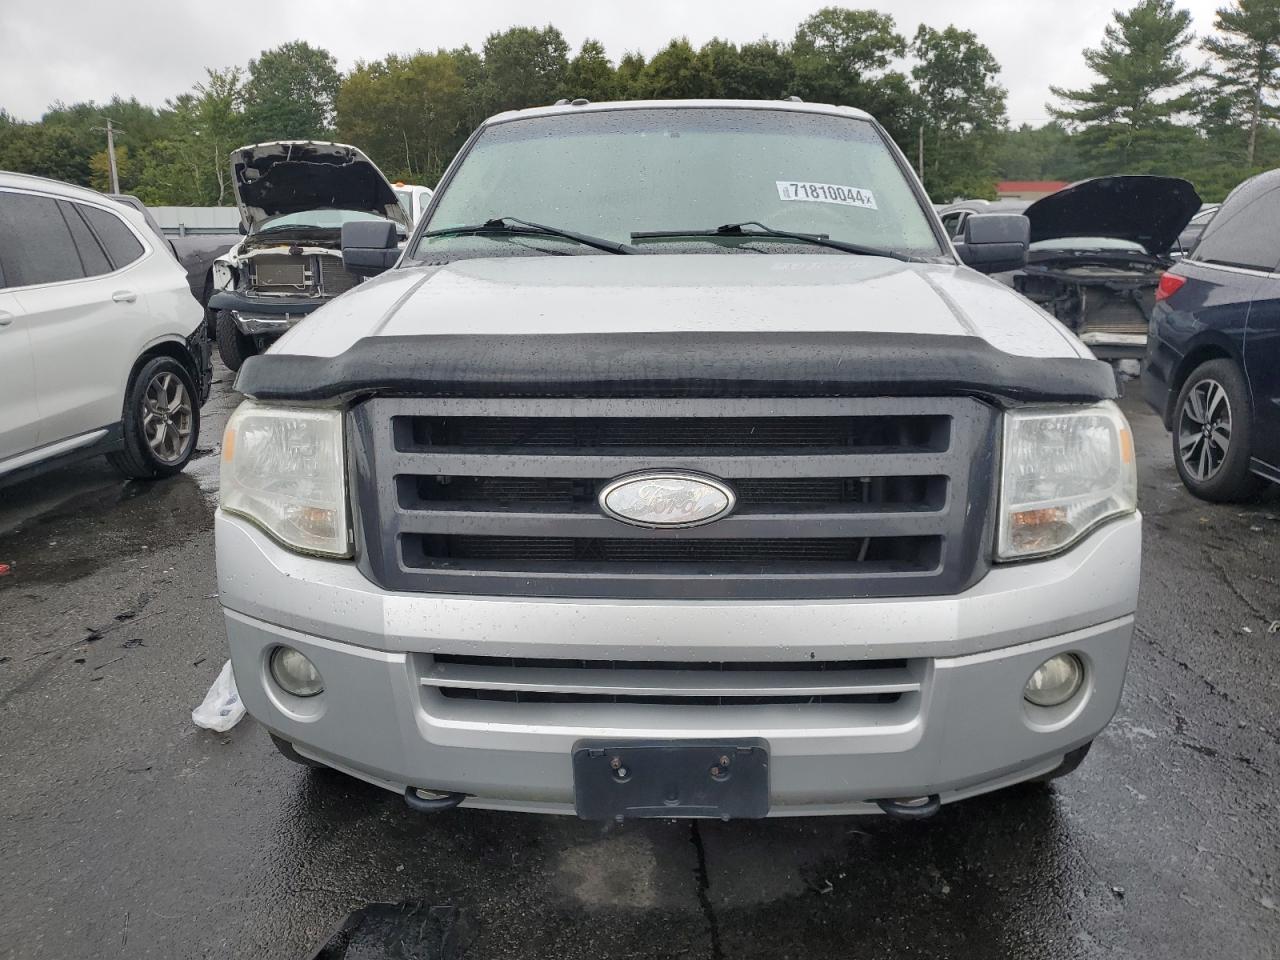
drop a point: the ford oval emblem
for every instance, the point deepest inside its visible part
(664, 499)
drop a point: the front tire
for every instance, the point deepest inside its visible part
(1213, 434)
(233, 346)
(161, 421)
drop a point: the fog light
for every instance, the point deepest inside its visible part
(295, 673)
(1055, 681)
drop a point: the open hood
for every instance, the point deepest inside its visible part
(292, 176)
(1148, 210)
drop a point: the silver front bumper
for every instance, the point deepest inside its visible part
(966, 730)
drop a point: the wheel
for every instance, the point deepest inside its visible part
(161, 421)
(1068, 765)
(287, 751)
(233, 346)
(1212, 434)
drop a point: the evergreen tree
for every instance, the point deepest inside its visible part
(1127, 116)
(1246, 72)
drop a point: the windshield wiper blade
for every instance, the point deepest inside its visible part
(765, 232)
(514, 225)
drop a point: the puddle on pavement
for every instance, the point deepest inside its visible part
(111, 522)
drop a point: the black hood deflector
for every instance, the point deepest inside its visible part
(1148, 210)
(715, 365)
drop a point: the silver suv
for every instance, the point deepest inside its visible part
(680, 465)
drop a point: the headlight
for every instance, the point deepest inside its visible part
(1066, 470)
(224, 276)
(282, 467)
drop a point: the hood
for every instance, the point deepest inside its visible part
(1150, 211)
(675, 293)
(292, 176)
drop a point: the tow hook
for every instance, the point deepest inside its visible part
(436, 803)
(911, 808)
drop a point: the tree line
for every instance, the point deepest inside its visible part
(938, 92)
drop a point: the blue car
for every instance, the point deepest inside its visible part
(1213, 353)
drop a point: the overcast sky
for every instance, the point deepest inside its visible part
(75, 50)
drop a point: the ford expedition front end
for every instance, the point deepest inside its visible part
(680, 467)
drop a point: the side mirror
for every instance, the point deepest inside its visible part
(994, 242)
(244, 231)
(369, 247)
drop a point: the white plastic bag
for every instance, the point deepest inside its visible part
(221, 709)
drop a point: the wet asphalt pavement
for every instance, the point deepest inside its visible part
(127, 832)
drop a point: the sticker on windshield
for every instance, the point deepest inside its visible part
(825, 193)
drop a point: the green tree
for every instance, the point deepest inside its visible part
(1036, 153)
(406, 112)
(961, 110)
(1246, 54)
(627, 76)
(1127, 117)
(126, 169)
(766, 71)
(291, 92)
(471, 71)
(675, 72)
(590, 74)
(845, 56)
(756, 71)
(525, 67)
(188, 162)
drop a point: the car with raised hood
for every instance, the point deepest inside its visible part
(681, 466)
(1098, 248)
(102, 348)
(294, 198)
(1213, 358)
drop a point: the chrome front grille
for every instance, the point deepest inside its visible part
(836, 498)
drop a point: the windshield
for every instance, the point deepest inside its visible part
(612, 173)
(321, 219)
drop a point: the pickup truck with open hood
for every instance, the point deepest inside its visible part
(294, 197)
(681, 466)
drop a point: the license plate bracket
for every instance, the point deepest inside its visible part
(623, 779)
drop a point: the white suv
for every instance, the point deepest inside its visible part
(102, 350)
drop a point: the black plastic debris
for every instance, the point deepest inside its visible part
(411, 930)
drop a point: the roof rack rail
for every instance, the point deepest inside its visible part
(562, 102)
(793, 99)
(579, 102)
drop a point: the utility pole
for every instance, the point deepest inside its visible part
(115, 174)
